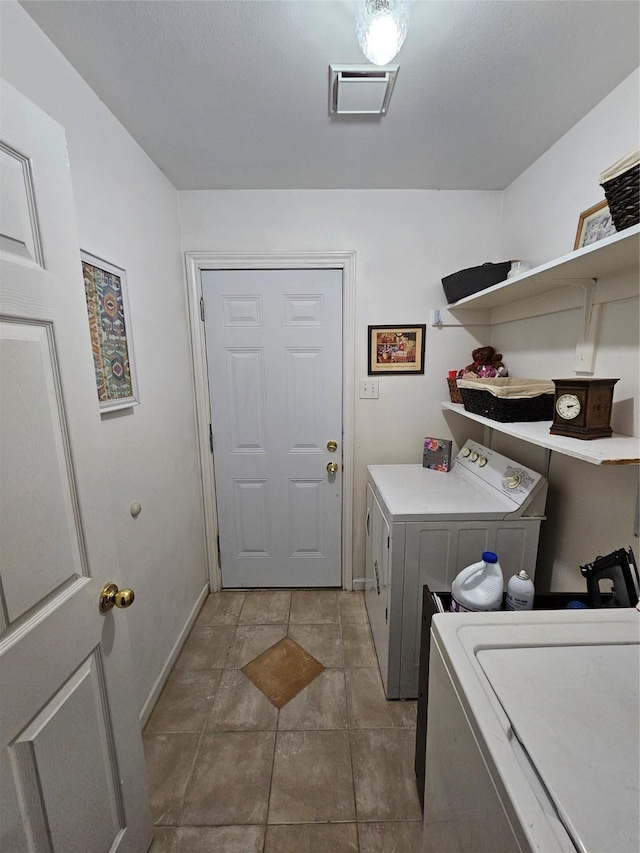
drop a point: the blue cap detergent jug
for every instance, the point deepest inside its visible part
(479, 586)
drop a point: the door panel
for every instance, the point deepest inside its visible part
(274, 354)
(73, 776)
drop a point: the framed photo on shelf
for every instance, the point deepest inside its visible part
(105, 287)
(594, 224)
(396, 349)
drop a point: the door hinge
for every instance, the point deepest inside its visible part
(210, 438)
(218, 546)
(388, 542)
(202, 309)
(386, 614)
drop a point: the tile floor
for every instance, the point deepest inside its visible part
(330, 772)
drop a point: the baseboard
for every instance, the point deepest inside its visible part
(156, 690)
(359, 584)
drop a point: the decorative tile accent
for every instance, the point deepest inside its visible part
(283, 671)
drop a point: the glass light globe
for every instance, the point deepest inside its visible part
(381, 26)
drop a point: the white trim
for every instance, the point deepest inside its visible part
(154, 694)
(346, 261)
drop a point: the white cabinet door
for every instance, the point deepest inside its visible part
(72, 774)
(274, 354)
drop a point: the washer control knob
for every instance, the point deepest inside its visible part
(465, 451)
(482, 461)
(473, 456)
(513, 481)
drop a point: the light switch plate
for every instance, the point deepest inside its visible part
(369, 389)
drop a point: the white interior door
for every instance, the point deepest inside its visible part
(72, 774)
(274, 353)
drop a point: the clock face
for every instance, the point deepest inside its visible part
(568, 406)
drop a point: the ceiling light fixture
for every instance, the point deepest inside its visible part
(381, 26)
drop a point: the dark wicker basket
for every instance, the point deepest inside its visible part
(454, 391)
(508, 409)
(623, 196)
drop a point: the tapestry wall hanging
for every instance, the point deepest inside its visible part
(106, 292)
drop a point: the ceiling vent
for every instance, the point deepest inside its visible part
(361, 89)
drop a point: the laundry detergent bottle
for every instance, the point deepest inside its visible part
(479, 586)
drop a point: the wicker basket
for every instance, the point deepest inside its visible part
(621, 185)
(454, 391)
(509, 400)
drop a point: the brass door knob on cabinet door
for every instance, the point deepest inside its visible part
(332, 467)
(111, 597)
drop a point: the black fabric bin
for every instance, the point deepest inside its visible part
(465, 282)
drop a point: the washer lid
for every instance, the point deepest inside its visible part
(575, 711)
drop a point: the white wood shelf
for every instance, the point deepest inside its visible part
(617, 450)
(614, 254)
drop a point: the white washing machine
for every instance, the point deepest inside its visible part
(533, 732)
(424, 526)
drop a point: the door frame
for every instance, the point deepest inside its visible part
(196, 263)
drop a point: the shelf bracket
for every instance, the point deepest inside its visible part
(586, 344)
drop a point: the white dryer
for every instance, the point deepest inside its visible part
(424, 526)
(533, 735)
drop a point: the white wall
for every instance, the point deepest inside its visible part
(590, 508)
(405, 241)
(127, 214)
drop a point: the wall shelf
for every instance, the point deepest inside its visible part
(614, 254)
(617, 450)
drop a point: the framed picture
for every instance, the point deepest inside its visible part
(396, 349)
(594, 224)
(105, 288)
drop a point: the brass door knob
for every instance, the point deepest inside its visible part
(332, 467)
(111, 596)
(332, 446)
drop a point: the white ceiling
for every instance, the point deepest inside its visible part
(233, 94)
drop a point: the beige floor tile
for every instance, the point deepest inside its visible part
(162, 839)
(313, 607)
(352, 607)
(221, 608)
(185, 702)
(251, 640)
(383, 774)
(312, 838)
(230, 780)
(321, 641)
(368, 707)
(312, 779)
(357, 646)
(321, 705)
(404, 837)
(206, 648)
(263, 607)
(218, 839)
(169, 759)
(240, 706)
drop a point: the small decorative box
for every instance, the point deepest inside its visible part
(437, 454)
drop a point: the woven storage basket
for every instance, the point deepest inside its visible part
(621, 185)
(467, 282)
(508, 400)
(454, 392)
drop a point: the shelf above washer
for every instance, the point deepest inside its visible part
(614, 254)
(617, 450)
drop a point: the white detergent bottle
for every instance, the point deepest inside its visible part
(479, 586)
(520, 592)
